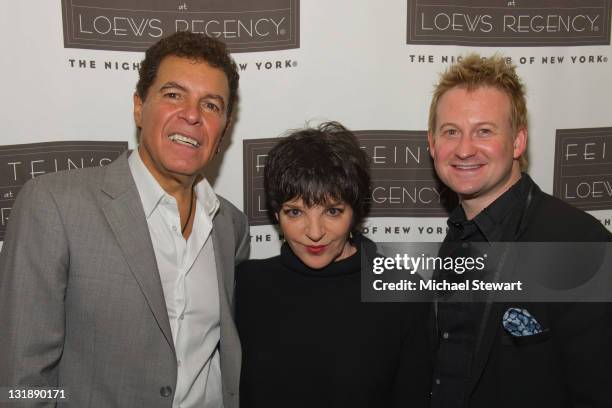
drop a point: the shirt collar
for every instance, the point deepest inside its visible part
(207, 197)
(148, 188)
(151, 192)
(490, 220)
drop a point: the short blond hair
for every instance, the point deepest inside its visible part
(474, 71)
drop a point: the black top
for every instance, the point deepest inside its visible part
(458, 323)
(565, 365)
(309, 341)
(499, 222)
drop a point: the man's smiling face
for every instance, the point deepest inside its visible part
(182, 119)
(474, 147)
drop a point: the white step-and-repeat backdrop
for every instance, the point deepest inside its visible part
(69, 70)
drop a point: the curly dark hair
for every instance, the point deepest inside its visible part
(318, 165)
(194, 46)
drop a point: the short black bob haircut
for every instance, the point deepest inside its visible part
(319, 165)
(197, 47)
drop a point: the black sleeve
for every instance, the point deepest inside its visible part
(412, 386)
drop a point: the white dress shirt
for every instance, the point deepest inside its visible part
(189, 280)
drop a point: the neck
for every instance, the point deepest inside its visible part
(186, 212)
(181, 192)
(178, 186)
(348, 250)
(185, 199)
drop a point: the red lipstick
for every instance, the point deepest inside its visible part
(315, 249)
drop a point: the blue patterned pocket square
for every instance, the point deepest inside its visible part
(519, 322)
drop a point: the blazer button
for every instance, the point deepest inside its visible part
(165, 391)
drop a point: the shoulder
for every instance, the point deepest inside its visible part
(226, 205)
(257, 268)
(88, 178)
(233, 221)
(47, 204)
(552, 219)
(64, 184)
(256, 277)
(229, 209)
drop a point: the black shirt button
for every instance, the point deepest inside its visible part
(165, 391)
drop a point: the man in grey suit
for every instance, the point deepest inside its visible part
(116, 283)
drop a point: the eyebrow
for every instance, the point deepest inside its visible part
(291, 206)
(338, 203)
(172, 84)
(492, 124)
(328, 204)
(216, 97)
(443, 125)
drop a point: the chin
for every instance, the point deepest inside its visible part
(183, 170)
(466, 192)
(462, 188)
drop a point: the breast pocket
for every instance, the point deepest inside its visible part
(520, 341)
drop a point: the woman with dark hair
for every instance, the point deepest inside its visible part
(307, 339)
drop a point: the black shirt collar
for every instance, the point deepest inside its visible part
(491, 223)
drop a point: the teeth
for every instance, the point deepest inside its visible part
(184, 139)
(467, 166)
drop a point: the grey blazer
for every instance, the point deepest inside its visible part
(81, 302)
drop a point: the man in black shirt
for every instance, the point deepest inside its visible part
(478, 139)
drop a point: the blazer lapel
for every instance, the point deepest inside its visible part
(491, 319)
(125, 215)
(223, 243)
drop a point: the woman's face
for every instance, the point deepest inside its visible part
(318, 235)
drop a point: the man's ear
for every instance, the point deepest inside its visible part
(430, 142)
(228, 126)
(138, 110)
(520, 143)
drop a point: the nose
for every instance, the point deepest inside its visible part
(466, 147)
(315, 229)
(190, 113)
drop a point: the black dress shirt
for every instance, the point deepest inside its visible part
(458, 324)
